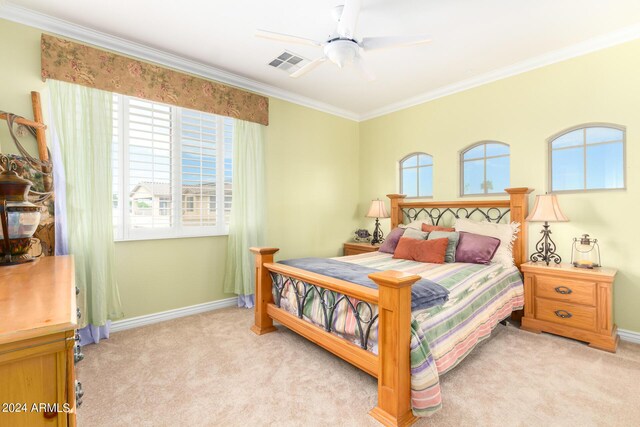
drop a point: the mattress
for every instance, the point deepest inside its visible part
(480, 296)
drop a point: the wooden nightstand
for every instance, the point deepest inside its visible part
(572, 302)
(355, 248)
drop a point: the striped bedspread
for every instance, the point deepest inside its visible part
(480, 296)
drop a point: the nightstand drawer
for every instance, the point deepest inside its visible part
(356, 251)
(574, 291)
(575, 316)
(356, 248)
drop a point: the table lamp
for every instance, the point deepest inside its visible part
(377, 210)
(546, 209)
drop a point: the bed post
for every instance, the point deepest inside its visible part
(263, 296)
(518, 210)
(396, 212)
(394, 348)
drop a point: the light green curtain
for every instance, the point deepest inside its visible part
(247, 222)
(82, 119)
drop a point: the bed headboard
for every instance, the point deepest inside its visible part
(514, 209)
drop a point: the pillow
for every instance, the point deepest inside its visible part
(476, 248)
(453, 237)
(412, 233)
(422, 250)
(506, 233)
(390, 243)
(416, 225)
(429, 227)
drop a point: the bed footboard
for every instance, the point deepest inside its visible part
(392, 365)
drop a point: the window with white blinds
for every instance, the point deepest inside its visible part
(172, 171)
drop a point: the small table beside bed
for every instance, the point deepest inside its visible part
(386, 315)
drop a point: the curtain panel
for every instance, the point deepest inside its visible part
(82, 128)
(247, 221)
(73, 62)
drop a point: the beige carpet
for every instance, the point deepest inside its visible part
(210, 369)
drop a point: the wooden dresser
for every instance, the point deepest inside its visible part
(355, 248)
(38, 318)
(572, 302)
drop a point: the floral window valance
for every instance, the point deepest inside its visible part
(77, 63)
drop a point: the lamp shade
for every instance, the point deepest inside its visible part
(546, 209)
(377, 210)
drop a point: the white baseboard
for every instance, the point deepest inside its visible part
(630, 336)
(148, 319)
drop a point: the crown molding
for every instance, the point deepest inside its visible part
(64, 28)
(592, 45)
(99, 39)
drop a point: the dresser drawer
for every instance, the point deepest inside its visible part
(567, 290)
(562, 313)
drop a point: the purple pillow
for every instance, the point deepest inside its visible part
(475, 248)
(390, 243)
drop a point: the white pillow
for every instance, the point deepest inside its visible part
(507, 233)
(412, 233)
(416, 225)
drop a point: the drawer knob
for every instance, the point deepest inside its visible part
(77, 290)
(78, 313)
(563, 314)
(78, 355)
(79, 393)
(563, 290)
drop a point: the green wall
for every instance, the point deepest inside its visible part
(312, 180)
(19, 75)
(524, 111)
(322, 171)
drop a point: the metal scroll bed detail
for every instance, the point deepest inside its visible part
(436, 215)
(362, 311)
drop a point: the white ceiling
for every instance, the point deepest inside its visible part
(470, 38)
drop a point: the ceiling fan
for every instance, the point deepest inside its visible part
(342, 47)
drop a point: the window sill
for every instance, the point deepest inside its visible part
(181, 236)
(485, 195)
(588, 190)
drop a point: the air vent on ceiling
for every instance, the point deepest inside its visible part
(289, 62)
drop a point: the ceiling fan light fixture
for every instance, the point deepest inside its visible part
(341, 47)
(341, 52)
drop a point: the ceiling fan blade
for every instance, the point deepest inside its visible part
(362, 68)
(309, 67)
(287, 38)
(349, 18)
(375, 43)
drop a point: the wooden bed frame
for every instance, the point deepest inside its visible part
(393, 297)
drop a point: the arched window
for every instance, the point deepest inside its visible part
(587, 157)
(485, 168)
(416, 175)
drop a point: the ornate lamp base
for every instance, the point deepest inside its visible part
(546, 248)
(378, 235)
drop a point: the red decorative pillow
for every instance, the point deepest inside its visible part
(429, 228)
(432, 251)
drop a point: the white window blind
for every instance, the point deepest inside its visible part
(169, 167)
